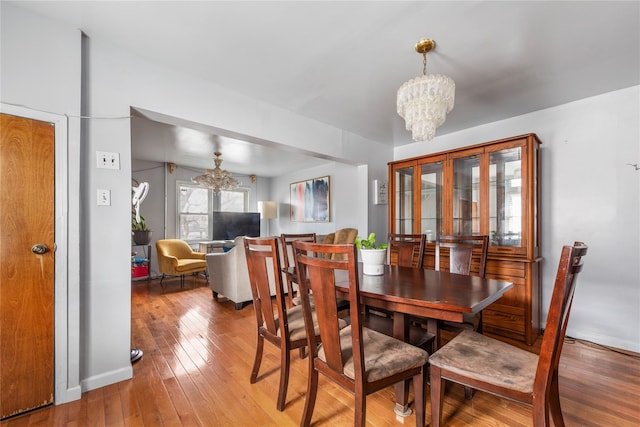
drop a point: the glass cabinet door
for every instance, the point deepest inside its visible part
(403, 193)
(466, 195)
(431, 200)
(505, 197)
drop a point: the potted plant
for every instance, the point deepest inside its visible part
(141, 234)
(373, 255)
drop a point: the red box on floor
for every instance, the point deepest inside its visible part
(140, 271)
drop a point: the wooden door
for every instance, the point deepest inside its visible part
(26, 277)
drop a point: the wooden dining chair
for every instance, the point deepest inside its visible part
(358, 359)
(404, 250)
(467, 254)
(464, 255)
(483, 363)
(288, 260)
(284, 327)
(287, 247)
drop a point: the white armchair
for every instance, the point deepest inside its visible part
(229, 275)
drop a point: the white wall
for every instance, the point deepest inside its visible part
(106, 305)
(343, 205)
(40, 72)
(351, 197)
(588, 193)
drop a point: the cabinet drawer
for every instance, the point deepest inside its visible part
(505, 268)
(517, 295)
(506, 309)
(502, 320)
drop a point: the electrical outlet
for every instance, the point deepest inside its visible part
(108, 160)
(104, 197)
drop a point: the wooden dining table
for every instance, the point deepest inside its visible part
(434, 295)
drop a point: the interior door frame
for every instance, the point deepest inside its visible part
(66, 276)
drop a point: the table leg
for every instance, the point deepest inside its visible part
(432, 328)
(401, 332)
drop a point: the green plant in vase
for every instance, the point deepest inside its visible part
(369, 243)
(138, 225)
(373, 255)
(141, 234)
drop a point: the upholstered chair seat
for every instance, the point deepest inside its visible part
(488, 360)
(295, 322)
(185, 266)
(384, 356)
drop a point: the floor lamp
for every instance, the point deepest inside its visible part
(268, 210)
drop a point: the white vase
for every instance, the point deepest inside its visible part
(373, 261)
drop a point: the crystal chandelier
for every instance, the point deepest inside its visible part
(424, 102)
(216, 178)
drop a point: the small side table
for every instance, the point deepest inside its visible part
(142, 262)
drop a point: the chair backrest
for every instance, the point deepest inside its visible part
(569, 267)
(340, 237)
(286, 240)
(287, 246)
(462, 250)
(318, 273)
(263, 263)
(174, 247)
(405, 250)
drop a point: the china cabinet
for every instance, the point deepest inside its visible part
(485, 189)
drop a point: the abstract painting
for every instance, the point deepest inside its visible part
(310, 200)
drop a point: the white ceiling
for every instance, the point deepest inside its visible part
(341, 62)
(160, 138)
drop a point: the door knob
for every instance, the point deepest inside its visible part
(39, 248)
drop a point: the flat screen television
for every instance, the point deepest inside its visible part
(229, 225)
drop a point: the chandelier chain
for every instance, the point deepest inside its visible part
(424, 64)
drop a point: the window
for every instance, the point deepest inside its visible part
(195, 205)
(234, 200)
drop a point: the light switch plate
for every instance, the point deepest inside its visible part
(104, 197)
(380, 192)
(106, 160)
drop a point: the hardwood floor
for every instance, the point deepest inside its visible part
(198, 355)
